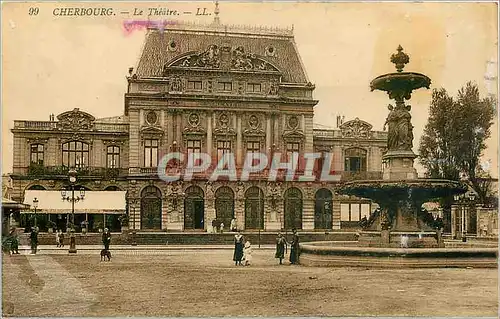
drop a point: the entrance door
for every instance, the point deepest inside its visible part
(194, 208)
(199, 214)
(151, 208)
(224, 205)
(254, 208)
(323, 209)
(293, 208)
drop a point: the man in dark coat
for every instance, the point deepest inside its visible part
(294, 248)
(280, 248)
(106, 238)
(34, 240)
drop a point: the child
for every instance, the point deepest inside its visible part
(247, 253)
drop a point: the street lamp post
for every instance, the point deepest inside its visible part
(133, 202)
(72, 180)
(463, 202)
(35, 205)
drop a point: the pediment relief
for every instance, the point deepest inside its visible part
(194, 130)
(224, 131)
(75, 120)
(151, 130)
(356, 129)
(254, 132)
(211, 59)
(241, 60)
(293, 134)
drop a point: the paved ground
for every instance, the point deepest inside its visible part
(176, 282)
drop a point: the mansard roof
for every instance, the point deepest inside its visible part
(276, 48)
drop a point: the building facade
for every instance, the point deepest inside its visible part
(215, 90)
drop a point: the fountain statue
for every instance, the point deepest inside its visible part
(400, 194)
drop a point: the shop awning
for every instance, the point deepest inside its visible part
(95, 202)
(8, 203)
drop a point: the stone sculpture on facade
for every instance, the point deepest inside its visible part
(356, 129)
(176, 84)
(75, 120)
(207, 59)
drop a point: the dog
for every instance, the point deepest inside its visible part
(105, 254)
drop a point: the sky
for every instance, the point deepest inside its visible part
(52, 64)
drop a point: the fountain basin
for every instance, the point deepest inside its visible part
(328, 255)
(400, 81)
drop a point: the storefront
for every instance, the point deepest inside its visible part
(93, 212)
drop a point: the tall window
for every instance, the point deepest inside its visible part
(253, 147)
(194, 85)
(193, 146)
(113, 157)
(150, 153)
(355, 160)
(37, 154)
(254, 87)
(223, 147)
(75, 154)
(291, 148)
(225, 86)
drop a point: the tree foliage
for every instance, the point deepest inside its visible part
(455, 135)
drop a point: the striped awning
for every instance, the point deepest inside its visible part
(95, 202)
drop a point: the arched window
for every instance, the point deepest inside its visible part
(75, 154)
(112, 188)
(355, 160)
(36, 187)
(36, 154)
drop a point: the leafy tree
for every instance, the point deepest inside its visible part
(455, 135)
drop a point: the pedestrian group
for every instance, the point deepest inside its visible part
(243, 249)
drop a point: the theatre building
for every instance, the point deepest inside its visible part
(211, 89)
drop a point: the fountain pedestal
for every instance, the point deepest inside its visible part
(398, 165)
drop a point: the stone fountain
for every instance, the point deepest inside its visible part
(400, 233)
(400, 221)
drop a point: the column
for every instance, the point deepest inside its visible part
(134, 141)
(336, 214)
(239, 146)
(209, 134)
(268, 134)
(454, 210)
(276, 129)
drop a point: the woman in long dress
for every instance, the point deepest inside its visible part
(294, 248)
(280, 248)
(238, 249)
(247, 253)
